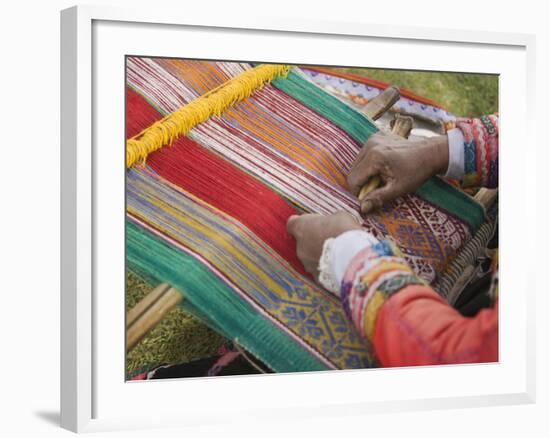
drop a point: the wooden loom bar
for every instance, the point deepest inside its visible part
(378, 106)
(401, 125)
(140, 308)
(149, 312)
(486, 197)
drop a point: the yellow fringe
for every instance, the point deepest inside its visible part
(181, 121)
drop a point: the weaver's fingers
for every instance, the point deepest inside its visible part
(372, 184)
(292, 224)
(296, 224)
(378, 197)
(359, 157)
(359, 176)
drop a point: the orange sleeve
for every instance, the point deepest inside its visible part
(417, 327)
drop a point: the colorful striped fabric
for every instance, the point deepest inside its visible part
(209, 210)
(358, 90)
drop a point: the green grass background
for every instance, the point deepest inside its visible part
(181, 337)
(463, 94)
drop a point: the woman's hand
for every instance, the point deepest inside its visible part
(402, 166)
(311, 231)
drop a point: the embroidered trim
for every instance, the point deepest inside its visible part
(374, 275)
(326, 272)
(480, 151)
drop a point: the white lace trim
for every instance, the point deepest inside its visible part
(327, 277)
(337, 254)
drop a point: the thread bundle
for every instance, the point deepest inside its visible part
(180, 122)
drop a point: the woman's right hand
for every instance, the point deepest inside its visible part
(402, 166)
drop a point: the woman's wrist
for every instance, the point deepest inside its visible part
(337, 254)
(440, 154)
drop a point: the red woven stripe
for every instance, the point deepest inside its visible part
(221, 184)
(139, 113)
(218, 182)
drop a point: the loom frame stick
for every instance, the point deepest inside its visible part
(137, 312)
(149, 312)
(378, 106)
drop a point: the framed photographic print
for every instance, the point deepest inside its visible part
(288, 216)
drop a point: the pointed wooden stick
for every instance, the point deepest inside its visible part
(402, 125)
(378, 106)
(149, 312)
(146, 302)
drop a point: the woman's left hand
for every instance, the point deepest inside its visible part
(311, 231)
(402, 166)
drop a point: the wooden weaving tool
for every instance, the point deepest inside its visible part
(402, 126)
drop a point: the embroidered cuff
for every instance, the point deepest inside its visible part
(455, 170)
(337, 254)
(480, 151)
(374, 275)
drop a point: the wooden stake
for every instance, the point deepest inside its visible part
(143, 306)
(150, 311)
(378, 106)
(401, 125)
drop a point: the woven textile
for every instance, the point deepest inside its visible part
(207, 213)
(358, 90)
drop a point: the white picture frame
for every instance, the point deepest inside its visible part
(94, 396)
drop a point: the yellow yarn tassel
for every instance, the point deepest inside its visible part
(181, 121)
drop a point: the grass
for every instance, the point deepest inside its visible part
(463, 94)
(181, 337)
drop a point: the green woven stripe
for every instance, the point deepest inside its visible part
(360, 127)
(447, 197)
(357, 125)
(234, 317)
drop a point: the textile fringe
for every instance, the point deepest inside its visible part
(180, 122)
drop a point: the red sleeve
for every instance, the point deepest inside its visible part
(417, 327)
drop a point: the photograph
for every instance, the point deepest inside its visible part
(289, 218)
(275, 220)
